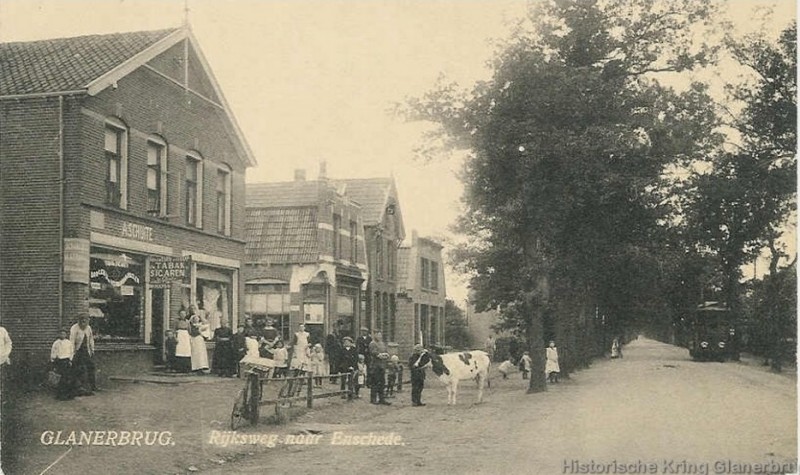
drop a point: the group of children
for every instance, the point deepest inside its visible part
(525, 364)
(246, 347)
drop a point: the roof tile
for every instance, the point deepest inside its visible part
(67, 64)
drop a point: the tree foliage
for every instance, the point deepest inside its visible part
(565, 197)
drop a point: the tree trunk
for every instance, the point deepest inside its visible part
(536, 341)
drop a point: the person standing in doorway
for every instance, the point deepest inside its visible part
(82, 339)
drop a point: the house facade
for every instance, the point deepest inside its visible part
(421, 295)
(383, 233)
(122, 193)
(306, 258)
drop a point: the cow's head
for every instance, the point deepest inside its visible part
(438, 365)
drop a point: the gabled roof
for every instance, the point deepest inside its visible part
(68, 64)
(281, 235)
(288, 193)
(90, 64)
(374, 195)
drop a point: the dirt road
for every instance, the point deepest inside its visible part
(655, 406)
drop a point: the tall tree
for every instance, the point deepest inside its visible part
(569, 140)
(741, 206)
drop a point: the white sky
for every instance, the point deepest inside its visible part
(312, 80)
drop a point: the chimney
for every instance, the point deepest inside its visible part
(299, 174)
(323, 170)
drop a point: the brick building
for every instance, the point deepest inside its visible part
(306, 257)
(383, 233)
(121, 192)
(421, 295)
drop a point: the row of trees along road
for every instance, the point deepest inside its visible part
(595, 192)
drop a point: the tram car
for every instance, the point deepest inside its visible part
(713, 333)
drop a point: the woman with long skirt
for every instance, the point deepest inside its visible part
(198, 343)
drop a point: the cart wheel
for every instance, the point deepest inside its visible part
(254, 400)
(238, 412)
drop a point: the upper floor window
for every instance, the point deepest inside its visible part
(194, 191)
(434, 275)
(353, 242)
(379, 257)
(337, 236)
(116, 151)
(425, 273)
(391, 253)
(224, 201)
(156, 177)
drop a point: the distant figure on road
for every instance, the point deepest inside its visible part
(551, 367)
(616, 350)
(490, 347)
(525, 364)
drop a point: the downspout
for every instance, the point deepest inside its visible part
(61, 213)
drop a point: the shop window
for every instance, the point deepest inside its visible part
(194, 191)
(116, 297)
(116, 152)
(264, 301)
(213, 292)
(156, 177)
(224, 201)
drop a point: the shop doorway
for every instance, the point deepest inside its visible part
(157, 317)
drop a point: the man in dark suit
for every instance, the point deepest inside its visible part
(362, 344)
(415, 364)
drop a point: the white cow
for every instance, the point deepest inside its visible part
(454, 367)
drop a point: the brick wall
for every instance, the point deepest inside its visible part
(30, 250)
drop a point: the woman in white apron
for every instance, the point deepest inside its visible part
(198, 342)
(300, 348)
(183, 348)
(551, 367)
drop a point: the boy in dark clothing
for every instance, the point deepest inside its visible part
(392, 372)
(417, 375)
(348, 360)
(170, 344)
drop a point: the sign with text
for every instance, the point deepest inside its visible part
(165, 270)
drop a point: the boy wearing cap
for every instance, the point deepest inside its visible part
(348, 359)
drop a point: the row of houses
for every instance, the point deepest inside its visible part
(123, 197)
